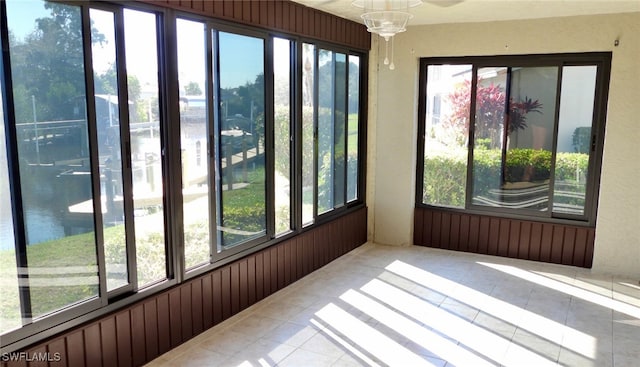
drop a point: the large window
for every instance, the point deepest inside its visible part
(142, 146)
(241, 136)
(57, 255)
(145, 139)
(513, 135)
(333, 83)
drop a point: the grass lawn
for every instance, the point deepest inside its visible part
(64, 272)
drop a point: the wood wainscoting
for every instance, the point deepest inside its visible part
(146, 329)
(522, 239)
(280, 15)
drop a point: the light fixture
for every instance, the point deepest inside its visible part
(386, 18)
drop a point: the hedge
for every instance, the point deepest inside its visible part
(445, 174)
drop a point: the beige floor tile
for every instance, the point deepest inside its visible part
(305, 358)
(262, 352)
(570, 358)
(292, 334)
(483, 316)
(198, 356)
(323, 344)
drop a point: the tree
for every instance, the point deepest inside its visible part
(192, 89)
(48, 66)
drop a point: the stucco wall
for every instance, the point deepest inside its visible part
(393, 120)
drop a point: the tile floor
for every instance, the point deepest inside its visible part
(413, 306)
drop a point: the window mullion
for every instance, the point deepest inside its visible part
(554, 144)
(212, 114)
(93, 152)
(505, 127)
(297, 134)
(269, 137)
(15, 188)
(316, 113)
(172, 149)
(345, 127)
(471, 142)
(125, 147)
(215, 142)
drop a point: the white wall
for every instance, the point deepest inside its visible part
(393, 120)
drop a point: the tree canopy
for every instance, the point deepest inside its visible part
(48, 66)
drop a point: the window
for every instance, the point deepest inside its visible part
(282, 132)
(58, 252)
(133, 162)
(241, 136)
(194, 133)
(109, 148)
(308, 132)
(140, 32)
(9, 288)
(353, 128)
(333, 84)
(513, 135)
(445, 153)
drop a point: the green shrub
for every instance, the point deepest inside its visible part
(487, 170)
(250, 218)
(535, 162)
(445, 179)
(571, 167)
(445, 175)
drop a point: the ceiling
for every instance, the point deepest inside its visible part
(462, 11)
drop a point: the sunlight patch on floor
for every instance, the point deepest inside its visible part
(368, 338)
(530, 321)
(441, 346)
(577, 292)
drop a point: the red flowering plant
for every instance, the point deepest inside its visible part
(490, 110)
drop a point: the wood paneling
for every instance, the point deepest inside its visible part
(279, 15)
(58, 349)
(75, 348)
(123, 332)
(143, 331)
(530, 240)
(93, 351)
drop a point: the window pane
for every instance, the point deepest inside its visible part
(242, 133)
(512, 156)
(574, 138)
(339, 130)
(109, 153)
(308, 146)
(326, 119)
(146, 158)
(446, 135)
(49, 95)
(282, 132)
(194, 134)
(10, 301)
(352, 128)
